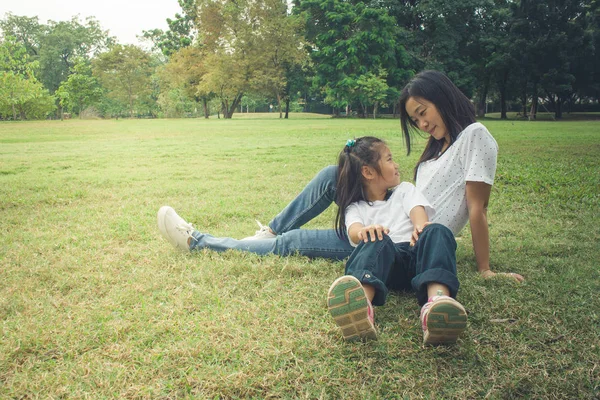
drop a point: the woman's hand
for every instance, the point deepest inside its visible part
(417, 231)
(489, 274)
(374, 232)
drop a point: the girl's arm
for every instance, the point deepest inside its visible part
(478, 195)
(358, 232)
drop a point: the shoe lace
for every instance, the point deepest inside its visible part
(186, 228)
(262, 228)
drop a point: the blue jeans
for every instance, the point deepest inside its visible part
(386, 265)
(312, 201)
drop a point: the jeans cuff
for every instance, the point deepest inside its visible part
(435, 275)
(381, 291)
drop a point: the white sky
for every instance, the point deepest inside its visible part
(122, 18)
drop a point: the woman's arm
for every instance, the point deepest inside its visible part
(478, 196)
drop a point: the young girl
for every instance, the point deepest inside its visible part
(395, 247)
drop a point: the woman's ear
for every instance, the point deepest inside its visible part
(367, 172)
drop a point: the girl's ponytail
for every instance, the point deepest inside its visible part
(357, 153)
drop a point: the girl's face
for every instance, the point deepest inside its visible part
(390, 176)
(427, 118)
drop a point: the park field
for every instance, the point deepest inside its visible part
(95, 304)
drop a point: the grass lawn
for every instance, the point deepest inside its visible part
(95, 304)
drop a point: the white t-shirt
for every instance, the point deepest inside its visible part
(472, 157)
(392, 213)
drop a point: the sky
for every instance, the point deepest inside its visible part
(122, 18)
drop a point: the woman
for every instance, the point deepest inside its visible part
(455, 173)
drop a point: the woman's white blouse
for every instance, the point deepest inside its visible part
(472, 157)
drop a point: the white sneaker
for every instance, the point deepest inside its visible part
(174, 228)
(263, 233)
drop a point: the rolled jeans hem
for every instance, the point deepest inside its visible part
(434, 275)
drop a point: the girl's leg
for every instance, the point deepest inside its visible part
(312, 201)
(371, 263)
(310, 243)
(434, 260)
(443, 318)
(351, 296)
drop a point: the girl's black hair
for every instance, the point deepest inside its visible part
(454, 107)
(363, 151)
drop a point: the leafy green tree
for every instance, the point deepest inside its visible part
(349, 39)
(235, 36)
(21, 94)
(125, 71)
(280, 43)
(372, 91)
(184, 71)
(80, 90)
(181, 30)
(556, 37)
(25, 30)
(64, 44)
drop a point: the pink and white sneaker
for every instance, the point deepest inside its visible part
(443, 320)
(351, 309)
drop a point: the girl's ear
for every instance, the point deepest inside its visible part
(367, 172)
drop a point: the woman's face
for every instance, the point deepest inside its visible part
(427, 118)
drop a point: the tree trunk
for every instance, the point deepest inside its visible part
(287, 107)
(558, 107)
(205, 107)
(14, 110)
(279, 105)
(228, 112)
(534, 104)
(375, 110)
(502, 89)
(482, 99)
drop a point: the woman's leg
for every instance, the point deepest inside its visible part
(306, 242)
(312, 201)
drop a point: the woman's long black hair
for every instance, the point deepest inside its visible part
(454, 107)
(356, 154)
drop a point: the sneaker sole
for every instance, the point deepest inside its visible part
(445, 322)
(161, 219)
(348, 305)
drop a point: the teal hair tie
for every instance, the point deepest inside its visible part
(350, 142)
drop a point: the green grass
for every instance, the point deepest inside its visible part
(95, 304)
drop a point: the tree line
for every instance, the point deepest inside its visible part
(341, 56)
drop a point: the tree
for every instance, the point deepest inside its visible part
(555, 41)
(20, 92)
(281, 45)
(125, 72)
(25, 30)
(181, 32)
(349, 39)
(64, 44)
(372, 90)
(235, 36)
(80, 90)
(184, 71)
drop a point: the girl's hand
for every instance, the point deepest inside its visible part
(489, 274)
(374, 231)
(417, 231)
